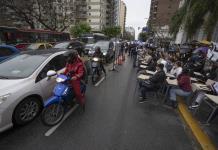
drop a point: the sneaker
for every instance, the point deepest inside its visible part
(194, 106)
(142, 100)
(174, 104)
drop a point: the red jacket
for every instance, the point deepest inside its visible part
(184, 82)
(77, 67)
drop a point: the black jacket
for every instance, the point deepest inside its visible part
(158, 79)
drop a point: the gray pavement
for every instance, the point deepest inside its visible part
(114, 120)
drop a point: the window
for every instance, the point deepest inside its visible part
(57, 63)
(5, 52)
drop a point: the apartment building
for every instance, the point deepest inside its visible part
(161, 12)
(122, 16)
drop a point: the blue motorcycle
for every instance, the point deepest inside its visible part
(56, 106)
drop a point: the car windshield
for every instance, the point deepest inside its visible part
(103, 45)
(33, 46)
(88, 40)
(21, 66)
(62, 45)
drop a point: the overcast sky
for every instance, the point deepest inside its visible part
(137, 13)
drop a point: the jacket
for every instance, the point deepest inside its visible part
(158, 78)
(184, 82)
(77, 69)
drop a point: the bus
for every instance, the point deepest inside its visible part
(14, 36)
(92, 38)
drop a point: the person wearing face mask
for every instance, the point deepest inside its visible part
(154, 83)
(75, 68)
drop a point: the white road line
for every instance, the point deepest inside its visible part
(102, 79)
(52, 130)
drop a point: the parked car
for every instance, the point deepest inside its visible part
(76, 45)
(7, 51)
(39, 46)
(107, 48)
(25, 85)
(88, 47)
(22, 46)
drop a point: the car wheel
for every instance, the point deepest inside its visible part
(26, 111)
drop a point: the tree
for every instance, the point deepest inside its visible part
(50, 14)
(143, 36)
(193, 15)
(112, 31)
(128, 36)
(79, 29)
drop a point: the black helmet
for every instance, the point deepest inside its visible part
(71, 56)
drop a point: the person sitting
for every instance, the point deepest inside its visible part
(162, 60)
(183, 89)
(177, 69)
(153, 83)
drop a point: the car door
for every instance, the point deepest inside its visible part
(47, 84)
(5, 53)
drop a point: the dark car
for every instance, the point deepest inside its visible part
(7, 51)
(107, 48)
(76, 45)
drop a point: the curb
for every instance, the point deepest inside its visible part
(201, 137)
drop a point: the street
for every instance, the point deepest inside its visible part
(114, 120)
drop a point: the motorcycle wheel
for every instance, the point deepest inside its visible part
(94, 76)
(52, 114)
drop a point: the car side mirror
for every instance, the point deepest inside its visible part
(51, 73)
(70, 47)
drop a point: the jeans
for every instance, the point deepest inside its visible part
(176, 91)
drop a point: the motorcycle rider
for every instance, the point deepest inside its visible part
(100, 55)
(76, 67)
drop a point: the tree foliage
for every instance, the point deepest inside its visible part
(195, 14)
(143, 36)
(50, 14)
(79, 29)
(128, 36)
(112, 31)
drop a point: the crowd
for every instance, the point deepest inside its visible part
(168, 65)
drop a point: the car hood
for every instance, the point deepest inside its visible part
(8, 85)
(89, 45)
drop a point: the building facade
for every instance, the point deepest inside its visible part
(181, 36)
(161, 12)
(131, 30)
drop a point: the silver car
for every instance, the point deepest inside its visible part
(24, 85)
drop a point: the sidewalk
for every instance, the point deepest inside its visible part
(205, 135)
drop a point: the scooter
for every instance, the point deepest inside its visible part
(56, 106)
(96, 69)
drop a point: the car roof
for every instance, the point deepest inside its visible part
(48, 52)
(8, 46)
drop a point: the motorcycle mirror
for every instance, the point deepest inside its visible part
(51, 73)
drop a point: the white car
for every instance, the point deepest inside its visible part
(24, 85)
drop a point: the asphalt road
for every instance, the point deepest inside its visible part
(114, 120)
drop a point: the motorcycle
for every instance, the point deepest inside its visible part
(96, 69)
(56, 106)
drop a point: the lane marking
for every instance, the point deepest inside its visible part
(102, 79)
(54, 128)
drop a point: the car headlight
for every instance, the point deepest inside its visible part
(104, 54)
(4, 98)
(95, 59)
